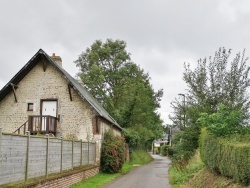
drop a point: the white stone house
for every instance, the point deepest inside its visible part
(43, 98)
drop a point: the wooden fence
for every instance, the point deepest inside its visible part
(24, 156)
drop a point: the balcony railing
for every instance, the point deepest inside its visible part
(38, 124)
(42, 124)
(22, 129)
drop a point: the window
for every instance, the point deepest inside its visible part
(30, 106)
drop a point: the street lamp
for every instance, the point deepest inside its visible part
(184, 105)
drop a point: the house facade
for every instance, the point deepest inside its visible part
(44, 99)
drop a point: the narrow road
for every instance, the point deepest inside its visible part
(152, 175)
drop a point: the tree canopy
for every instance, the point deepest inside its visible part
(217, 95)
(213, 82)
(121, 86)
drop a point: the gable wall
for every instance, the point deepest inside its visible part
(104, 126)
(75, 116)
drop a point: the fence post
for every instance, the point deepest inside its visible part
(61, 154)
(47, 156)
(95, 151)
(81, 154)
(27, 156)
(88, 151)
(72, 154)
(1, 142)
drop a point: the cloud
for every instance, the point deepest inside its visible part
(161, 35)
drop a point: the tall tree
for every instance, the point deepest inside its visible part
(214, 82)
(217, 81)
(120, 85)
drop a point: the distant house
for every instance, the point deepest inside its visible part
(44, 99)
(156, 145)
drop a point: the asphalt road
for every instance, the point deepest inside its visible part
(152, 175)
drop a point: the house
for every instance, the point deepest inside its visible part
(156, 145)
(44, 99)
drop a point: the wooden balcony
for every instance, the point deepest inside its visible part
(38, 125)
(42, 124)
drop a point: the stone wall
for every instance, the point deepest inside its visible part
(75, 116)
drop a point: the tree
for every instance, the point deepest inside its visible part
(224, 122)
(219, 82)
(215, 82)
(121, 86)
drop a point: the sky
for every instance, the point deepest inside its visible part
(160, 34)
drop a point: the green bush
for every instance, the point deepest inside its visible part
(185, 143)
(166, 150)
(224, 122)
(132, 137)
(226, 156)
(112, 153)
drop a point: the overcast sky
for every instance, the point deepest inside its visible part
(160, 34)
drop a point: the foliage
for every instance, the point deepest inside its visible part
(178, 176)
(122, 87)
(228, 158)
(208, 179)
(131, 137)
(185, 144)
(224, 122)
(214, 82)
(140, 157)
(112, 153)
(166, 150)
(96, 181)
(71, 137)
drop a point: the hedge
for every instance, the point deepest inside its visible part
(231, 159)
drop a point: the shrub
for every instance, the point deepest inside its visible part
(224, 122)
(166, 150)
(227, 157)
(132, 137)
(112, 153)
(185, 144)
(179, 175)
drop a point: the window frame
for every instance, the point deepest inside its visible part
(30, 106)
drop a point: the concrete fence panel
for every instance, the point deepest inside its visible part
(37, 157)
(23, 156)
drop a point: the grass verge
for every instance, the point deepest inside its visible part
(178, 176)
(195, 174)
(205, 178)
(137, 158)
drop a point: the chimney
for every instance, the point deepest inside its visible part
(56, 59)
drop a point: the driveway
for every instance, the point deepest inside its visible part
(152, 175)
